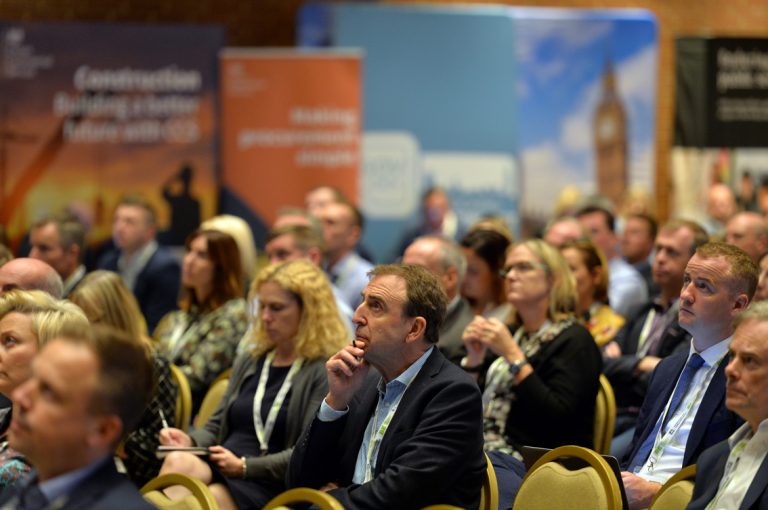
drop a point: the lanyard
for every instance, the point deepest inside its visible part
(664, 437)
(377, 434)
(729, 471)
(264, 430)
(175, 342)
(642, 349)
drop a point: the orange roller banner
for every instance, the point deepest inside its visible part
(291, 121)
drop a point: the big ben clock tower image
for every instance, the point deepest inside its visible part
(610, 135)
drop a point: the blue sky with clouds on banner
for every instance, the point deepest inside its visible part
(561, 56)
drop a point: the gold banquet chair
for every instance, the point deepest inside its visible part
(677, 492)
(183, 399)
(605, 416)
(200, 499)
(549, 484)
(321, 499)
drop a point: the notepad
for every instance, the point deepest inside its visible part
(163, 451)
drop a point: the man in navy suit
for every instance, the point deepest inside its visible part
(85, 393)
(684, 411)
(734, 473)
(411, 435)
(150, 271)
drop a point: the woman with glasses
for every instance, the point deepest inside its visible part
(541, 389)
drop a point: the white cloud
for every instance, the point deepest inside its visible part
(637, 76)
(545, 171)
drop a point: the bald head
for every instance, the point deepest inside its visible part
(30, 274)
(748, 231)
(441, 256)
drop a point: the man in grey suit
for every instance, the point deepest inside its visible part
(734, 472)
(445, 259)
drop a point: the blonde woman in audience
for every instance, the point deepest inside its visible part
(483, 286)
(243, 236)
(28, 320)
(541, 389)
(201, 338)
(590, 271)
(105, 299)
(275, 389)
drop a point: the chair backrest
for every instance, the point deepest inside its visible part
(489, 493)
(605, 416)
(676, 493)
(200, 499)
(224, 376)
(210, 402)
(549, 484)
(323, 500)
(183, 399)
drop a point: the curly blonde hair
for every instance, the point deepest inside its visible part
(321, 332)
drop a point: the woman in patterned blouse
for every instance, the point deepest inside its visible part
(28, 319)
(201, 338)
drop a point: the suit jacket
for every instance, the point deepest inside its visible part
(157, 285)
(713, 421)
(628, 387)
(307, 391)
(456, 319)
(709, 472)
(432, 451)
(104, 489)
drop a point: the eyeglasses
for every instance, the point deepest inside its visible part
(522, 268)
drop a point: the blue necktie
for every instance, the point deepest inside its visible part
(684, 382)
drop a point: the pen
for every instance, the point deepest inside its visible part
(162, 417)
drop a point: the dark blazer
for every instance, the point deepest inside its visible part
(713, 422)
(709, 472)
(432, 451)
(456, 319)
(628, 387)
(104, 489)
(157, 285)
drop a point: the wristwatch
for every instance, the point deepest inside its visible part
(516, 366)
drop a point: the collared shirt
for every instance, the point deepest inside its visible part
(130, 267)
(62, 485)
(747, 454)
(390, 395)
(626, 287)
(656, 322)
(670, 459)
(350, 276)
(74, 279)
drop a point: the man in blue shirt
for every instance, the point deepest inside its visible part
(410, 435)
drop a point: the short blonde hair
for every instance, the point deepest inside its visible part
(50, 317)
(562, 297)
(321, 332)
(106, 299)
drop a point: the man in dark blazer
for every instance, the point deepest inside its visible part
(652, 332)
(734, 472)
(85, 392)
(684, 411)
(409, 436)
(151, 271)
(445, 259)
